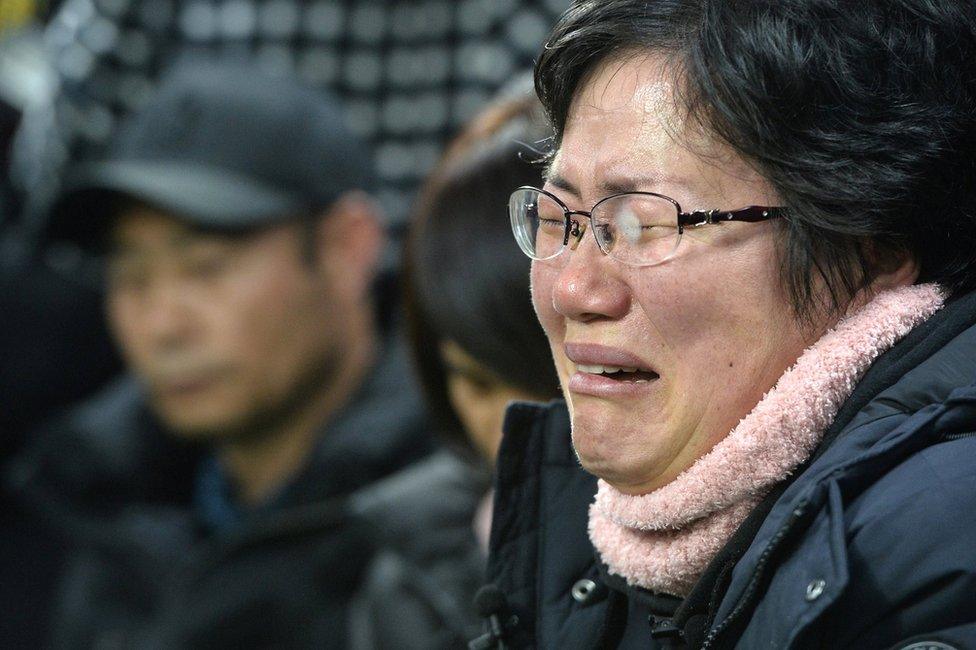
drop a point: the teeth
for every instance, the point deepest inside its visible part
(595, 370)
(603, 370)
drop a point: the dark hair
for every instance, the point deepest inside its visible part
(465, 279)
(862, 115)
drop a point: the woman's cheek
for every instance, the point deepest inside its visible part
(541, 284)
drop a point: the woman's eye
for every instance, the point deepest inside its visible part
(657, 231)
(473, 383)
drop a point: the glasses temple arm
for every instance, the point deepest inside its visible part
(753, 213)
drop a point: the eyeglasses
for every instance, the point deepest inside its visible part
(636, 228)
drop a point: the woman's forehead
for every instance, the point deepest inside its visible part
(623, 108)
(621, 83)
(626, 130)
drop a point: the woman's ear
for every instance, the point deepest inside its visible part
(892, 270)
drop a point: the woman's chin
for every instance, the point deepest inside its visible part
(630, 471)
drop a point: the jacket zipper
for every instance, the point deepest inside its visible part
(959, 436)
(753, 585)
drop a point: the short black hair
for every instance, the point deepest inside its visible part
(465, 278)
(862, 115)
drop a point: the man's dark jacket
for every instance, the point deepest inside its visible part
(871, 543)
(418, 593)
(149, 571)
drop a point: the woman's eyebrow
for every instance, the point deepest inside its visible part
(562, 183)
(642, 183)
(618, 184)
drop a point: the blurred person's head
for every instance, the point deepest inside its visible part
(234, 331)
(240, 247)
(477, 342)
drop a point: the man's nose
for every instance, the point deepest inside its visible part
(168, 313)
(589, 285)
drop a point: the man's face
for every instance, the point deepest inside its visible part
(228, 333)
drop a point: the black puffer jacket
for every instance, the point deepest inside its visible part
(146, 572)
(870, 545)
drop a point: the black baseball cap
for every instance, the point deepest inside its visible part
(222, 146)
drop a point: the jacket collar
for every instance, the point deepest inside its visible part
(538, 479)
(913, 380)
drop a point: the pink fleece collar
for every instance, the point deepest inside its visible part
(664, 540)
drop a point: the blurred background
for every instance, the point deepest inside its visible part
(408, 73)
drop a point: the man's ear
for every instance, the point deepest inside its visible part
(349, 241)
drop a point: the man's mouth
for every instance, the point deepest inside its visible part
(186, 383)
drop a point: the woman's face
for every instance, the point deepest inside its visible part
(479, 397)
(710, 330)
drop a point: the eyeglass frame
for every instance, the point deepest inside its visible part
(693, 219)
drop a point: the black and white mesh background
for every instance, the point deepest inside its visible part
(409, 72)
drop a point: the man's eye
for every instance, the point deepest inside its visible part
(125, 275)
(206, 266)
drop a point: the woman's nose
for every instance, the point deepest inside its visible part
(588, 285)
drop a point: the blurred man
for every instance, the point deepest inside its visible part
(208, 490)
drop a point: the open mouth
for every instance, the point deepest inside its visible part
(623, 374)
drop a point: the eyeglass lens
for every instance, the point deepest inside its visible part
(632, 228)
